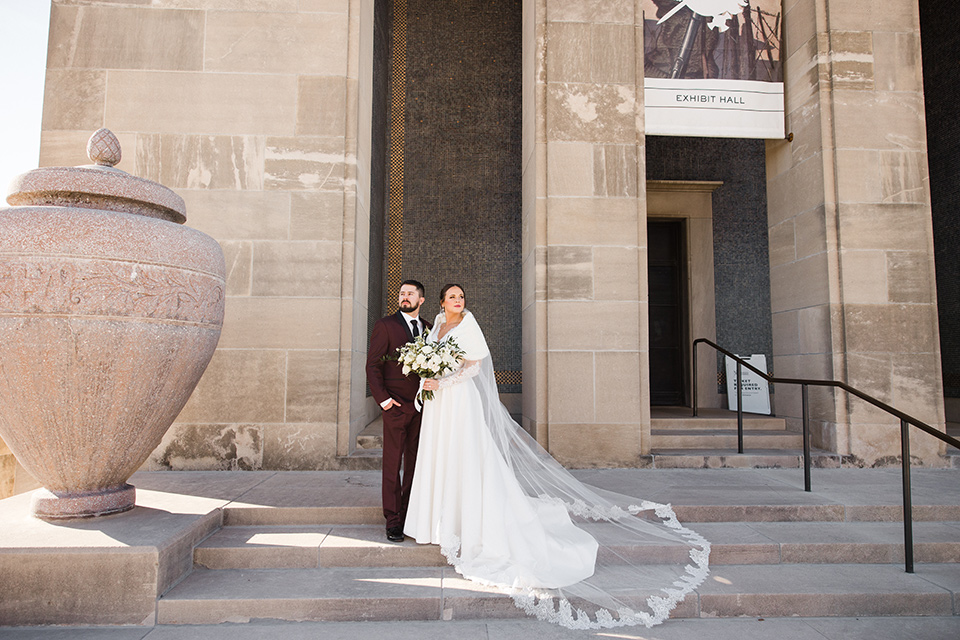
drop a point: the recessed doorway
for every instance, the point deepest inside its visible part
(668, 304)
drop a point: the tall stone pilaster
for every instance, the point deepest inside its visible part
(584, 232)
(851, 243)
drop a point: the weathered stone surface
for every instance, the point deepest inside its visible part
(188, 447)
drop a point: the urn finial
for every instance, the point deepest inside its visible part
(103, 148)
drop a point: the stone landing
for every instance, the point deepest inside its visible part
(215, 548)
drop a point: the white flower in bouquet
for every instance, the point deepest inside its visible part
(429, 360)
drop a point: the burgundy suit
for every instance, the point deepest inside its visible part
(401, 425)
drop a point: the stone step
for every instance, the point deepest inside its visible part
(751, 458)
(391, 593)
(735, 511)
(304, 547)
(724, 439)
(751, 422)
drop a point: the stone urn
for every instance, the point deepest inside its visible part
(110, 310)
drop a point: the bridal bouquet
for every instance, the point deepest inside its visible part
(429, 359)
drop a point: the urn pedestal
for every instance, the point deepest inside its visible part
(110, 310)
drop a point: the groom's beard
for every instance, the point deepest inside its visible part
(408, 308)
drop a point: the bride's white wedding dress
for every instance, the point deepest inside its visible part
(505, 513)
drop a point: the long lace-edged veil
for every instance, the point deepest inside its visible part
(647, 561)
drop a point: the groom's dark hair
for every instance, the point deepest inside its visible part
(418, 285)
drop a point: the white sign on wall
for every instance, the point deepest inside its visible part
(712, 68)
(756, 391)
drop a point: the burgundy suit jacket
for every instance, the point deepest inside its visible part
(385, 377)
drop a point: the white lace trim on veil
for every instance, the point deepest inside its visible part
(647, 561)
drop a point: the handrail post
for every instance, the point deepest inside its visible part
(693, 391)
(806, 437)
(739, 409)
(907, 503)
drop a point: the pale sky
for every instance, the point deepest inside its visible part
(23, 52)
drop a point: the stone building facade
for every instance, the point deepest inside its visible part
(263, 115)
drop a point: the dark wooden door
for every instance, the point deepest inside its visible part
(666, 260)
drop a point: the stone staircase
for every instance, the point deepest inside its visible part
(681, 441)
(795, 558)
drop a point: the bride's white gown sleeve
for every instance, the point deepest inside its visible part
(505, 513)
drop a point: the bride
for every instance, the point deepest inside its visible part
(505, 513)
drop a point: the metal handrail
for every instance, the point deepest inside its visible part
(905, 420)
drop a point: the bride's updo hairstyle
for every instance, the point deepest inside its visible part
(447, 287)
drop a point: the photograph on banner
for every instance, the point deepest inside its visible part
(713, 68)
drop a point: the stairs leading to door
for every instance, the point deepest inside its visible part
(681, 441)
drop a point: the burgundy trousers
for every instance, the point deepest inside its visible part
(401, 437)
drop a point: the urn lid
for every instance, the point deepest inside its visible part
(97, 186)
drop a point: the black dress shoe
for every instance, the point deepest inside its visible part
(395, 534)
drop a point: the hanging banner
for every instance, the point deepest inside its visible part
(756, 391)
(712, 68)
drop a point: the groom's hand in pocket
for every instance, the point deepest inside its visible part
(390, 404)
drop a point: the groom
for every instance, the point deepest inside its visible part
(395, 393)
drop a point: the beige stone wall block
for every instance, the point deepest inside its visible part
(233, 5)
(782, 243)
(815, 326)
(311, 385)
(305, 163)
(569, 273)
(900, 227)
(533, 279)
(613, 53)
(864, 277)
(810, 229)
(74, 99)
(317, 216)
(795, 192)
(305, 43)
(23, 481)
(569, 169)
(593, 221)
(239, 386)
(802, 77)
(238, 255)
(879, 445)
(615, 170)
(898, 66)
(618, 388)
(799, 24)
(321, 106)
(233, 163)
(304, 446)
(592, 112)
(324, 6)
(917, 388)
(208, 447)
(616, 273)
(303, 268)
(201, 103)
(570, 387)
(105, 37)
(618, 11)
(851, 56)
(870, 373)
(568, 51)
(879, 120)
(860, 169)
(586, 446)
(903, 177)
(800, 284)
(601, 326)
(64, 148)
(890, 328)
(875, 15)
(281, 323)
(811, 367)
(238, 215)
(786, 332)
(910, 277)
